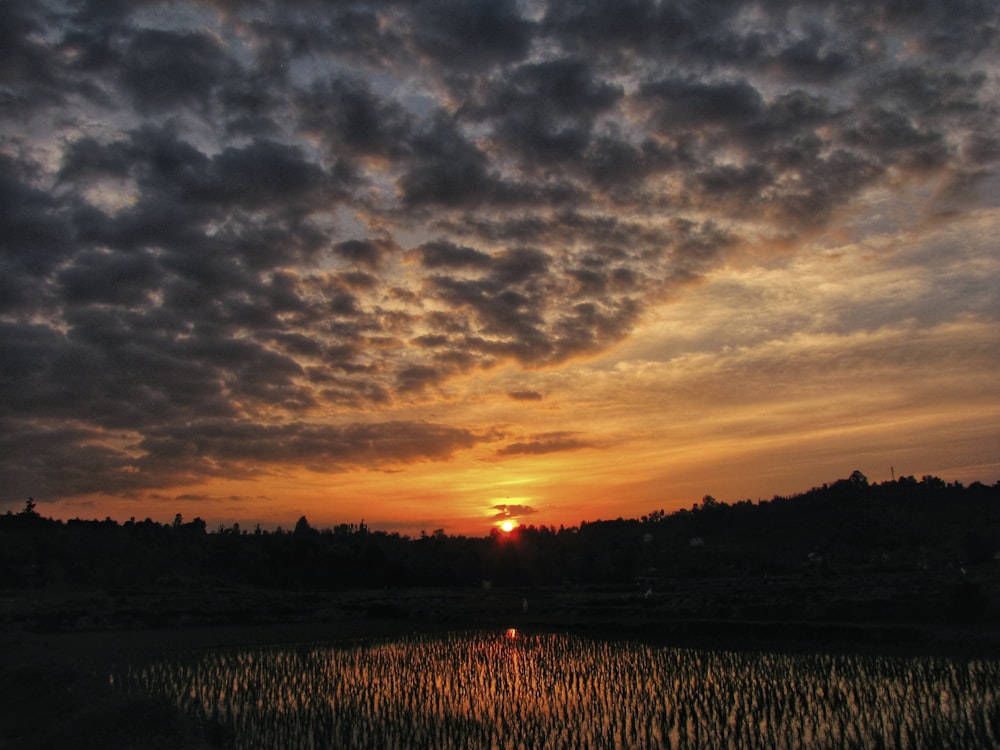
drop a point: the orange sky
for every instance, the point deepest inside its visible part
(663, 419)
(436, 265)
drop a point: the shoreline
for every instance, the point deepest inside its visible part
(157, 620)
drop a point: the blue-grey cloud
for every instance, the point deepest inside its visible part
(221, 220)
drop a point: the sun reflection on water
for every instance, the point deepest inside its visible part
(479, 690)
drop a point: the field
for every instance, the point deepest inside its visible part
(514, 690)
(60, 649)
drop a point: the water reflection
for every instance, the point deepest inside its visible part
(559, 691)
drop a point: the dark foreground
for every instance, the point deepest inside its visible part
(57, 646)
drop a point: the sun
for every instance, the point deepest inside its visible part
(508, 525)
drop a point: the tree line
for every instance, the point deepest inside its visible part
(848, 526)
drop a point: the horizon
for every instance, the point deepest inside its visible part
(437, 265)
(515, 522)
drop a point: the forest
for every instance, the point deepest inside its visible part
(850, 526)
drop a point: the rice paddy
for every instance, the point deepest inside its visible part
(509, 690)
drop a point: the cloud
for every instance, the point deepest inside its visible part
(513, 510)
(477, 32)
(368, 252)
(548, 442)
(444, 254)
(59, 461)
(348, 116)
(162, 69)
(254, 221)
(525, 395)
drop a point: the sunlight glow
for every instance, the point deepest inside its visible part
(508, 525)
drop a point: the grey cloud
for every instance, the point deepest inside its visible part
(522, 324)
(347, 114)
(683, 103)
(103, 375)
(165, 69)
(620, 167)
(170, 170)
(368, 252)
(610, 24)
(112, 278)
(259, 196)
(795, 114)
(448, 170)
(520, 264)
(265, 173)
(508, 300)
(816, 54)
(893, 136)
(360, 444)
(566, 86)
(196, 231)
(544, 111)
(512, 510)
(949, 28)
(60, 461)
(444, 254)
(929, 92)
(38, 233)
(417, 378)
(741, 183)
(27, 75)
(478, 33)
(525, 395)
(547, 442)
(52, 461)
(359, 280)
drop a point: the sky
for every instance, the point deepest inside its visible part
(438, 264)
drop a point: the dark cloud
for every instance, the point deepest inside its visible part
(544, 112)
(347, 115)
(57, 460)
(368, 252)
(444, 254)
(525, 395)
(686, 103)
(27, 70)
(163, 69)
(512, 510)
(60, 460)
(111, 278)
(620, 167)
(324, 447)
(264, 173)
(38, 232)
(449, 170)
(229, 221)
(548, 442)
(478, 33)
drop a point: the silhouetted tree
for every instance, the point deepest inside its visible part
(303, 529)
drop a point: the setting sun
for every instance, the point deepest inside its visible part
(508, 525)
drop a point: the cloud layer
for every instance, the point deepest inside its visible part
(247, 236)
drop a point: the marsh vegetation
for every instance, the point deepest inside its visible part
(515, 690)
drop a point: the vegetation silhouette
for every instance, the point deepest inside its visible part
(880, 565)
(848, 526)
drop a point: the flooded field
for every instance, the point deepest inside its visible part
(516, 690)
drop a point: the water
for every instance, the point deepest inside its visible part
(514, 690)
